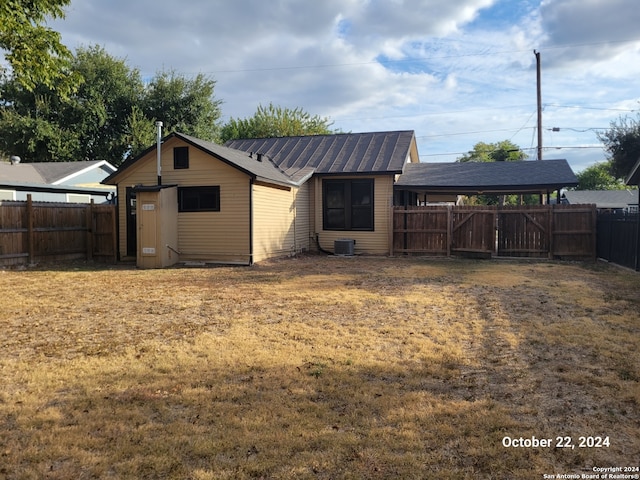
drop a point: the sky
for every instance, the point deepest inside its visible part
(455, 72)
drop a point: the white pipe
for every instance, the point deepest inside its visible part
(159, 153)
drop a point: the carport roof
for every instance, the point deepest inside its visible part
(471, 178)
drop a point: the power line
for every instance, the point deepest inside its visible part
(582, 107)
(577, 147)
(485, 53)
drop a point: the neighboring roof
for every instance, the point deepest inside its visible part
(376, 152)
(261, 170)
(470, 178)
(603, 198)
(634, 176)
(48, 188)
(50, 173)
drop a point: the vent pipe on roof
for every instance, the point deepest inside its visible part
(159, 153)
(15, 160)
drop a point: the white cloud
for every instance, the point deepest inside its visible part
(455, 72)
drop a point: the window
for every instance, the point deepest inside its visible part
(180, 158)
(198, 199)
(348, 204)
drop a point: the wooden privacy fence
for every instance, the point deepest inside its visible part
(32, 232)
(542, 231)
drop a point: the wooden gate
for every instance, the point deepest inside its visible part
(524, 231)
(473, 230)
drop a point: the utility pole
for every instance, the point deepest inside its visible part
(537, 54)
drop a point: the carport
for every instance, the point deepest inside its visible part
(422, 183)
(547, 231)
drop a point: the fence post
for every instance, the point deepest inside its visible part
(449, 229)
(114, 232)
(594, 228)
(638, 241)
(550, 231)
(391, 232)
(89, 221)
(30, 236)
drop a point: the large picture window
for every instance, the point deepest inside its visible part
(199, 199)
(348, 204)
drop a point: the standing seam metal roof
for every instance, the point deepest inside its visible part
(376, 152)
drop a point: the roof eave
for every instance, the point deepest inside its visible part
(485, 189)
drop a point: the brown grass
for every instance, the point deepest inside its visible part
(317, 368)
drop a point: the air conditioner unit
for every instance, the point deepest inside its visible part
(344, 246)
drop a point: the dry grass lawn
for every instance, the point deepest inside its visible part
(318, 368)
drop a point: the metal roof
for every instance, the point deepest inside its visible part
(375, 152)
(259, 167)
(487, 177)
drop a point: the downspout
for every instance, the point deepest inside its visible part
(158, 152)
(295, 221)
(251, 221)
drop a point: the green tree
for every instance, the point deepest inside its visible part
(141, 131)
(101, 109)
(275, 121)
(504, 151)
(184, 105)
(598, 177)
(622, 144)
(111, 116)
(91, 124)
(33, 51)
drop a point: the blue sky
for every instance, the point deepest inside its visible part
(457, 73)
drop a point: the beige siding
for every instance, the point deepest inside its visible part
(303, 217)
(273, 220)
(205, 236)
(375, 242)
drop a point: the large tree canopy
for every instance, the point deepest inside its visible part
(34, 51)
(274, 121)
(622, 143)
(598, 177)
(185, 105)
(111, 116)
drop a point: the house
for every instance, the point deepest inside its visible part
(613, 201)
(250, 200)
(76, 182)
(431, 182)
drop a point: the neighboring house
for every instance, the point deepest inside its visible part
(77, 182)
(254, 199)
(614, 201)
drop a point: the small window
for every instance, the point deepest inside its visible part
(199, 199)
(180, 158)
